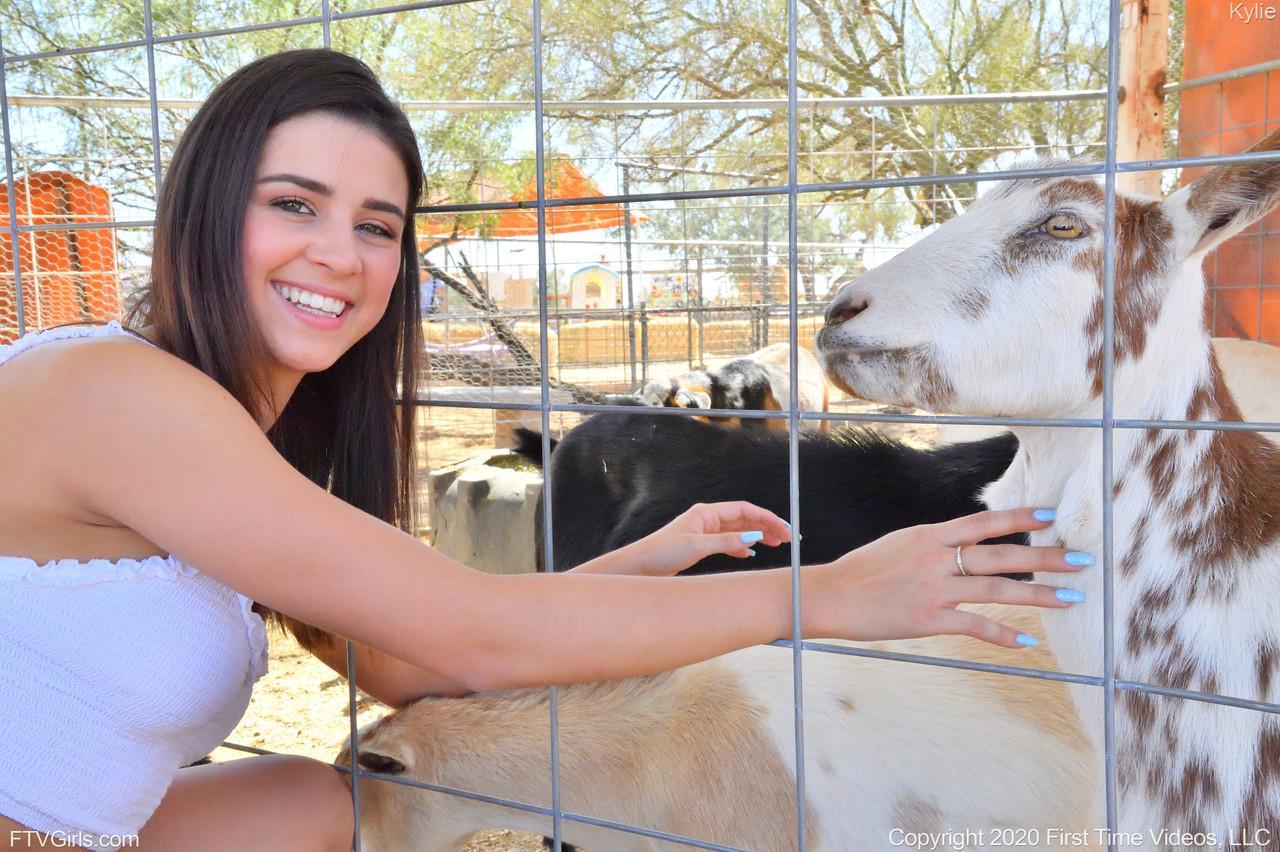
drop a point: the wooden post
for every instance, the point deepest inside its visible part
(1144, 62)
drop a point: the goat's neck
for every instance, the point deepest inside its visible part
(1188, 507)
(1196, 524)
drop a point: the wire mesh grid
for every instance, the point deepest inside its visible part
(1245, 275)
(67, 259)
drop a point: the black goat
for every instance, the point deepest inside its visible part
(618, 477)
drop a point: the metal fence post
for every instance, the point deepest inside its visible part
(644, 345)
(631, 294)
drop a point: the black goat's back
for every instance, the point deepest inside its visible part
(618, 477)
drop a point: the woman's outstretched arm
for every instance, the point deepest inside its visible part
(152, 443)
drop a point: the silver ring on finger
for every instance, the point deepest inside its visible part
(960, 561)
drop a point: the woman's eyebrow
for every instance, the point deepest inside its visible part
(327, 191)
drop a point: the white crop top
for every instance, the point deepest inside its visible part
(113, 674)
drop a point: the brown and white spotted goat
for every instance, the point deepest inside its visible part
(1000, 312)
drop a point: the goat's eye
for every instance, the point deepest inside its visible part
(1064, 226)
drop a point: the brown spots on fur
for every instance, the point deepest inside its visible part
(1141, 262)
(1262, 802)
(973, 304)
(1196, 792)
(911, 813)
(933, 389)
(1239, 479)
(1148, 625)
(936, 390)
(1073, 189)
(846, 704)
(1204, 402)
(1161, 467)
(1137, 544)
(1117, 487)
(1139, 709)
(1265, 665)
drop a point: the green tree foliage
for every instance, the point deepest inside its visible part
(596, 50)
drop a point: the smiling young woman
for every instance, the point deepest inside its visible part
(259, 437)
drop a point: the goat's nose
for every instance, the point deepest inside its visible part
(845, 308)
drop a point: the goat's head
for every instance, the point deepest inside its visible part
(688, 390)
(1000, 310)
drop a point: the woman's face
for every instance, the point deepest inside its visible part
(321, 239)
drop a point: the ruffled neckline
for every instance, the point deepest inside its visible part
(75, 572)
(65, 332)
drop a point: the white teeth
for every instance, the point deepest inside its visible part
(315, 303)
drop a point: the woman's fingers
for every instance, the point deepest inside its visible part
(743, 517)
(1017, 558)
(1001, 590)
(980, 627)
(984, 525)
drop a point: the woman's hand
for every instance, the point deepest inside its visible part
(704, 529)
(908, 583)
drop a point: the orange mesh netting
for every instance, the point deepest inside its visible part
(67, 275)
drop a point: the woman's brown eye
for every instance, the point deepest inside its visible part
(1064, 227)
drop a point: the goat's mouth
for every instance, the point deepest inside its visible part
(868, 370)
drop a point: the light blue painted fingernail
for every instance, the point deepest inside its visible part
(1044, 515)
(787, 525)
(750, 552)
(1070, 595)
(1028, 641)
(1077, 558)
(752, 537)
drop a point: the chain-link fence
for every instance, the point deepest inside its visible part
(743, 161)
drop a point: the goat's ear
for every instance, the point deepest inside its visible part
(378, 751)
(1225, 200)
(686, 398)
(375, 761)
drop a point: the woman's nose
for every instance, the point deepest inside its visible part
(335, 248)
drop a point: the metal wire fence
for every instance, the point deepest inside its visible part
(69, 257)
(1219, 111)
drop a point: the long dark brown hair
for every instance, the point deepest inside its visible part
(342, 428)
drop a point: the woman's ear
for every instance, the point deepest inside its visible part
(1224, 201)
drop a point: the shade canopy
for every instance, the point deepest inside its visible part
(564, 180)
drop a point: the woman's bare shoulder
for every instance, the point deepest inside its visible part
(55, 367)
(65, 395)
